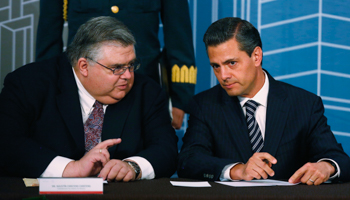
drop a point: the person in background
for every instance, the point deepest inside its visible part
(86, 113)
(142, 18)
(251, 126)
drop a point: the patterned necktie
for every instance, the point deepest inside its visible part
(253, 128)
(93, 127)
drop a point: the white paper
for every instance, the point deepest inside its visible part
(256, 183)
(190, 184)
(70, 185)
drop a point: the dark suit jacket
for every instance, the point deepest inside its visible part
(40, 118)
(142, 18)
(296, 133)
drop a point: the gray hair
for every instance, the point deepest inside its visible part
(95, 33)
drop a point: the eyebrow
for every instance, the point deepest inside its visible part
(231, 59)
(226, 61)
(122, 64)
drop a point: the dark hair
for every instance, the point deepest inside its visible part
(227, 28)
(96, 32)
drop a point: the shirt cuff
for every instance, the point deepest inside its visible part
(225, 173)
(56, 167)
(336, 175)
(145, 166)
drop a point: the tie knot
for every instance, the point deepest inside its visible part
(251, 105)
(98, 104)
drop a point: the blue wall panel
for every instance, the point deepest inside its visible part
(290, 34)
(276, 11)
(291, 62)
(204, 19)
(308, 82)
(336, 7)
(333, 86)
(336, 31)
(337, 119)
(335, 59)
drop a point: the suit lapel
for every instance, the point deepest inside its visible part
(114, 120)
(237, 125)
(276, 116)
(68, 102)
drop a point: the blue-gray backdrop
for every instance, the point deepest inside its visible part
(305, 42)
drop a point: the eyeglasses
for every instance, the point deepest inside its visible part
(120, 69)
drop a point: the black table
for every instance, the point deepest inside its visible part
(13, 188)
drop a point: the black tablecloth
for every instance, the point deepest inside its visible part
(14, 188)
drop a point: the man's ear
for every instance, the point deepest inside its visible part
(82, 66)
(257, 56)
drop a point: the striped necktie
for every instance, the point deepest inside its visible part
(253, 128)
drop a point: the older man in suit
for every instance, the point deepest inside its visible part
(251, 126)
(86, 113)
(142, 17)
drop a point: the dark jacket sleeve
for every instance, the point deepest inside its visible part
(160, 141)
(49, 41)
(147, 131)
(197, 158)
(323, 144)
(178, 52)
(25, 156)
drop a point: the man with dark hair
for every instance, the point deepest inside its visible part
(86, 113)
(251, 126)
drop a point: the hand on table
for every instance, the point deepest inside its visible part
(118, 170)
(92, 162)
(313, 173)
(258, 167)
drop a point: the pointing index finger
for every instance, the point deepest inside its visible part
(108, 143)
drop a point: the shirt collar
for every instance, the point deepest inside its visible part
(261, 96)
(86, 100)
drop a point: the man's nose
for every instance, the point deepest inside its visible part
(126, 74)
(225, 73)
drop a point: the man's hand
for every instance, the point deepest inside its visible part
(313, 173)
(258, 166)
(92, 162)
(178, 117)
(118, 170)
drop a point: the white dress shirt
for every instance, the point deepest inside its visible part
(260, 116)
(59, 163)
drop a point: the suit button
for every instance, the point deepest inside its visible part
(115, 9)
